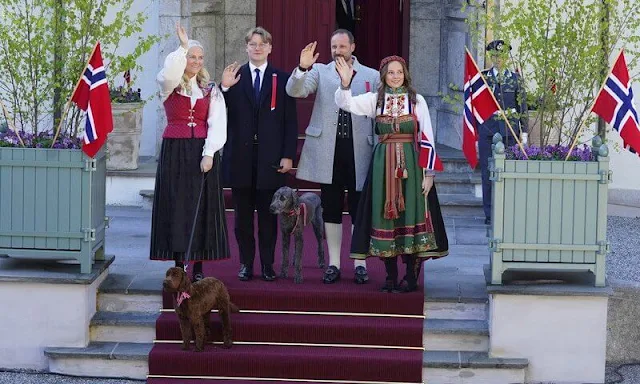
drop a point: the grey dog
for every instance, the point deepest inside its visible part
(295, 212)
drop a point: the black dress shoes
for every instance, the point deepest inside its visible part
(268, 274)
(331, 275)
(245, 273)
(361, 275)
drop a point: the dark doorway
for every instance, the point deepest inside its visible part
(293, 24)
(380, 27)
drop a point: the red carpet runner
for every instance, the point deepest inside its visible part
(299, 346)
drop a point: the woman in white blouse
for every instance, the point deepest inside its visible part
(189, 161)
(399, 213)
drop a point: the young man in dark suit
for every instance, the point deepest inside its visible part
(261, 145)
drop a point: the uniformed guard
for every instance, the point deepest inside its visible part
(509, 92)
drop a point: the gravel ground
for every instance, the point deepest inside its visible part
(623, 263)
(624, 237)
(42, 378)
(624, 374)
(627, 374)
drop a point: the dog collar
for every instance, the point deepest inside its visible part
(300, 212)
(182, 296)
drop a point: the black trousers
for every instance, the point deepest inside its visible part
(245, 201)
(344, 178)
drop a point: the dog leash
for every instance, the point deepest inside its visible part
(187, 255)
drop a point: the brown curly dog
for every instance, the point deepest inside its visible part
(193, 304)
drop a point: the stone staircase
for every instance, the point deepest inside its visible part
(122, 333)
(455, 336)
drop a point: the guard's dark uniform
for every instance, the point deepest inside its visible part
(509, 91)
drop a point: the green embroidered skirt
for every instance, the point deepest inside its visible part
(412, 232)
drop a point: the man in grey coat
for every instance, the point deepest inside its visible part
(338, 146)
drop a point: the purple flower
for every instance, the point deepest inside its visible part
(550, 152)
(40, 140)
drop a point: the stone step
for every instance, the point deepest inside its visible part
(124, 293)
(459, 183)
(130, 302)
(452, 310)
(456, 165)
(455, 335)
(439, 334)
(130, 360)
(101, 359)
(133, 327)
(447, 296)
(151, 304)
(459, 200)
(456, 367)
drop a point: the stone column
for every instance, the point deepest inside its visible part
(425, 53)
(454, 38)
(240, 17)
(170, 12)
(438, 35)
(207, 26)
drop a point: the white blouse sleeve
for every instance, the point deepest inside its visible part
(216, 123)
(169, 77)
(363, 105)
(424, 120)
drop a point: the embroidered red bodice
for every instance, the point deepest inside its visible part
(183, 121)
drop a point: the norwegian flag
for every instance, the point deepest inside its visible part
(127, 77)
(427, 157)
(479, 105)
(92, 95)
(614, 104)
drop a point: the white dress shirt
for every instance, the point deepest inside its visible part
(262, 68)
(366, 105)
(169, 79)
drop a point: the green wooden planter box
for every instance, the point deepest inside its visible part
(548, 215)
(52, 205)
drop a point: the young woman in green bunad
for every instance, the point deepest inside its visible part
(399, 213)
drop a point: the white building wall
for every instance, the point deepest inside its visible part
(146, 79)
